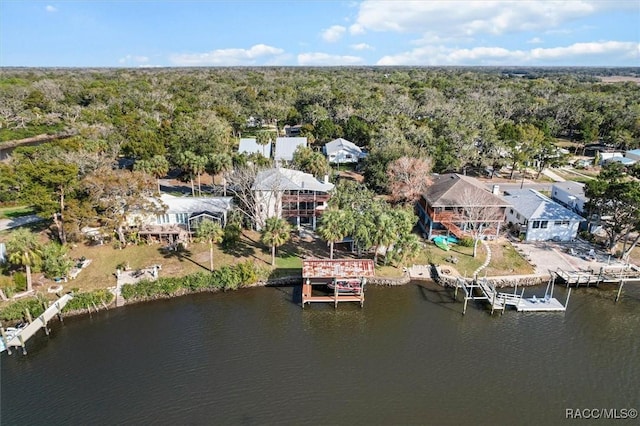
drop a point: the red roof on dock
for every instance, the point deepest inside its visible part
(343, 268)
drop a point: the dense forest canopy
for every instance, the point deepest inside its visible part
(460, 117)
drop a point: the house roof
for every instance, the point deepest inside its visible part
(534, 206)
(191, 205)
(623, 160)
(340, 144)
(285, 147)
(289, 180)
(570, 187)
(250, 146)
(341, 268)
(449, 190)
(634, 152)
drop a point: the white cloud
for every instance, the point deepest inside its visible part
(535, 40)
(361, 46)
(50, 8)
(134, 60)
(228, 57)
(325, 59)
(356, 29)
(468, 18)
(334, 33)
(602, 52)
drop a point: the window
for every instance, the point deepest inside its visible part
(563, 223)
(518, 216)
(510, 211)
(536, 224)
(162, 219)
(544, 224)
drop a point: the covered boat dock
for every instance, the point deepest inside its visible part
(346, 279)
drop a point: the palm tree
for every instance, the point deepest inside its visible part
(157, 166)
(193, 164)
(334, 227)
(275, 233)
(24, 250)
(263, 138)
(211, 231)
(220, 163)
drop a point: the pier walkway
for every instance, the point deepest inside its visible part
(499, 301)
(21, 335)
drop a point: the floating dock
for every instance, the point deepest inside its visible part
(322, 272)
(18, 337)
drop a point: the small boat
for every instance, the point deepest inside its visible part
(441, 242)
(346, 286)
(10, 333)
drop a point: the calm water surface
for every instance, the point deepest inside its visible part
(255, 357)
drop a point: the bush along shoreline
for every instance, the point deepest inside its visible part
(227, 278)
(233, 277)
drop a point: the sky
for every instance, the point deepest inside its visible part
(189, 33)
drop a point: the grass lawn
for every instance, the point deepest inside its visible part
(505, 260)
(15, 211)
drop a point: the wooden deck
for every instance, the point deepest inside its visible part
(322, 272)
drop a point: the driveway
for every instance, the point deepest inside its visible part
(18, 221)
(571, 256)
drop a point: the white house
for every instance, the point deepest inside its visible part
(342, 151)
(182, 213)
(292, 194)
(633, 154)
(539, 217)
(607, 156)
(251, 146)
(570, 194)
(285, 147)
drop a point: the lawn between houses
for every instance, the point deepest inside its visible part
(105, 259)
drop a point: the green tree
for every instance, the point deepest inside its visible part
(615, 200)
(55, 260)
(194, 165)
(23, 249)
(212, 232)
(263, 138)
(220, 164)
(157, 166)
(310, 161)
(45, 184)
(335, 225)
(275, 233)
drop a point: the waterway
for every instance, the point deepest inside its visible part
(254, 357)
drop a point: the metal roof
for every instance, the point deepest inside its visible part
(285, 147)
(250, 146)
(281, 179)
(533, 205)
(343, 268)
(340, 144)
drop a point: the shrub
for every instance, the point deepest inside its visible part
(16, 310)
(89, 299)
(466, 242)
(20, 281)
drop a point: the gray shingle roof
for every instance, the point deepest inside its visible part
(534, 206)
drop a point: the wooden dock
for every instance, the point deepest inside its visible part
(20, 337)
(499, 301)
(321, 272)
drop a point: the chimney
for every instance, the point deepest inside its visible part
(326, 178)
(496, 190)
